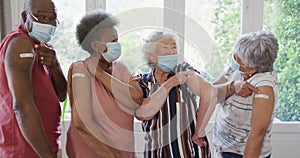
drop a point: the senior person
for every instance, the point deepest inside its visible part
(32, 85)
(170, 122)
(103, 93)
(248, 94)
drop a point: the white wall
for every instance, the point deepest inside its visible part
(285, 139)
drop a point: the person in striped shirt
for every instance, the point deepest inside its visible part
(247, 93)
(172, 105)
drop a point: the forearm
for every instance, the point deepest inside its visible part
(154, 103)
(225, 90)
(254, 145)
(207, 105)
(31, 128)
(126, 94)
(59, 82)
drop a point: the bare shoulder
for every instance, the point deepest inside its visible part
(19, 52)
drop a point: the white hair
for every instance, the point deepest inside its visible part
(153, 39)
(258, 49)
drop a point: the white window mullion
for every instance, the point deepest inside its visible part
(252, 15)
(16, 10)
(174, 18)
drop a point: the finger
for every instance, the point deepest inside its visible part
(42, 43)
(253, 89)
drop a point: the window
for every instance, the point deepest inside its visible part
(217, 21)
(65, 42)
(282, 18)
(133, 32)
(218, 25)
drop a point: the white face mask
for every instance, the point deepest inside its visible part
(113, 51)
(42, 32)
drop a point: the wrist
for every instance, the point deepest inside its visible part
(231, 88)
(168, 85)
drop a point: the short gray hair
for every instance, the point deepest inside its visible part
(153, 39)
(257, 49)
(91, 26)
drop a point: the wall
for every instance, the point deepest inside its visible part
(285, 139)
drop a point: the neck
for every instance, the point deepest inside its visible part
(160, 75)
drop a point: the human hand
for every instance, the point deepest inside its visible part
(137, 78)
(181, 77)
(243, 89)
(200, 141)
(47, 56)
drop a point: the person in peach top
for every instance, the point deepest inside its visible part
(102, 120)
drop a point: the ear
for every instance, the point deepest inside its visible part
(152, 57)
(94, 46)
(253, 70)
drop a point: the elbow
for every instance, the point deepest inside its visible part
(19, 112)
(22, 110)
(138, 101)
(62, 95)
(62, 98)
(141, 118)
(138, 98)
(214, 95)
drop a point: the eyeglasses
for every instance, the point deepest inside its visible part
(45, 20)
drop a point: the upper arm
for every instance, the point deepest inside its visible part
(80, 95)
(125, 75)
(263, 105)
(199, 86)
(18, 70)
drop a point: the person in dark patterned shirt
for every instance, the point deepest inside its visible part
(172, 105)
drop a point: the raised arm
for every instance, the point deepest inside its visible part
(82, 115)
(48, 58)
(152, 104)
(208, 100)
(127, 93)
(18, 71)
(226, 88)
(263, 105)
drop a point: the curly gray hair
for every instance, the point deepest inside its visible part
(257, 49)
(153, 39)
(91, 27)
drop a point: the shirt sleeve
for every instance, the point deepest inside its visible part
(266, 79)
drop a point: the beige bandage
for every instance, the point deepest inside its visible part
(26, 55)
(264, 96)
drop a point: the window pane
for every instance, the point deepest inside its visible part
(64, 41)
(135, 25)
(283, 19)
(117, 6)
(211, 29)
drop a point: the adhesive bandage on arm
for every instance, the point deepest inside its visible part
(78, 75)
(264, 96)
(26, 55)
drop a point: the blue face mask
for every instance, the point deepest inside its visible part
(235, 64)
(42, 32)
(167, 63)
(113, 51)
